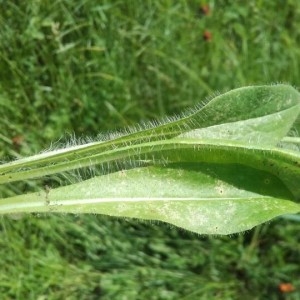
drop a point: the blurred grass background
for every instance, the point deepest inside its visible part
(85, 67)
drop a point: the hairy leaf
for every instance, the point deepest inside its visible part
(222, 167)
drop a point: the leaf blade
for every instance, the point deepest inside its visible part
(236, 105)
(203, 198)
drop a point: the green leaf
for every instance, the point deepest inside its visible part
(220, 168)
(204, 198)
(236, 105)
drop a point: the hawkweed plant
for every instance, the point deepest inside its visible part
(222, 167)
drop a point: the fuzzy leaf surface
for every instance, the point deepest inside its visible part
(221, 168)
